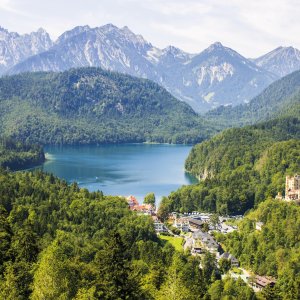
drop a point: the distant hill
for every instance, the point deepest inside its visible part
(281, 98)
(216, 76)
(89, 105)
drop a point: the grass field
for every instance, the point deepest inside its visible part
(175, 241)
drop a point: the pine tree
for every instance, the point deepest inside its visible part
(115, 279)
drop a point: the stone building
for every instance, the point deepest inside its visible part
(292, 188)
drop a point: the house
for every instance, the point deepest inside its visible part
(205, 218)
(194, 223)
(198, 250)
(159, 227)
(132, 201)
(182, 224)
(198, 247)
(207, 241)
(292, 188)
(212, 246)
(260, 282)
(134, 205)
(234, 262)
(146, 209)
(259, 225)
(224, 228)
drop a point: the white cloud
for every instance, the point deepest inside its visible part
(8, 6)
(250, 27)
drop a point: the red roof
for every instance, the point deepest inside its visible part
(142, 207)
(132, 201)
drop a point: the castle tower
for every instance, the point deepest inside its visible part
(292, 187)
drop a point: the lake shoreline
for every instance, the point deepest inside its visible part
(121, 169)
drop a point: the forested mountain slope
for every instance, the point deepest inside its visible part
(274, 250)
(239, 168)
(90, 105)
(279, 99)
(62, 242)
(15, 155)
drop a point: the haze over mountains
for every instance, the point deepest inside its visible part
(216, 76)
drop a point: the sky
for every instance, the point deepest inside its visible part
(251, 27)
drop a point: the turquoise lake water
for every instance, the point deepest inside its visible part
(131, 169)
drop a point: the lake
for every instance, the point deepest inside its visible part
(130, 169)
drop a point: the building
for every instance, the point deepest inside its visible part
(146, 209)
(260, 282)
(134, 205)
(182, 224)
(159, 227)
(292, 188)
(132, 201)
(206, 240)
(194, 223)
(259, 225)
(234, 262)
(198, 250)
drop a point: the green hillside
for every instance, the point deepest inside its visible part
(16, 155)
(274, 250)
(62, 242)
(89, 105)
(281, 98)
(239, 168)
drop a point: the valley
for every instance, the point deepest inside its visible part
(131, 171)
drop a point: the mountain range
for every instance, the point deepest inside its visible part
(216, 76)
(15, 48)
(280, 99)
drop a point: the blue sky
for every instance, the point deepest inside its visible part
(252, 27)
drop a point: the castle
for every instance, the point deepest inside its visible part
(292, 188)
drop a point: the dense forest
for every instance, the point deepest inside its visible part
(239, 168)
(62, 242)
(58, 241)
(281, 98)
(89, 105)
(16, 155)
(274, 250)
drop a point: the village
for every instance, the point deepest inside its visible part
(195, 232)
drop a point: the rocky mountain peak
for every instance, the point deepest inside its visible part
(280, 61)
(109, 27)
(172, 50)
(216, 76)
(71, 33)
(215, 46)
